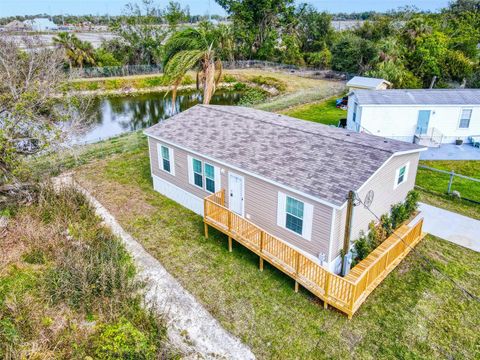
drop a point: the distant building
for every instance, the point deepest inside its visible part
(368, 83)
(16, 25)
(428, 117)
(41, 24)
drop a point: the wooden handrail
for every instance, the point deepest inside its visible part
(346, 294)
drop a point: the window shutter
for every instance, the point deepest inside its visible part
(218, 179)
(172, 161)
(281, 216)
(159, 156)
(190, 169)
(307, 221)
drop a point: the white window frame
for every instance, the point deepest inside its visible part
(171, 159)
(405, 176)
(307, 216)
(191, 174)
(460, 119)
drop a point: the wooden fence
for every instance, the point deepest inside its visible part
(344, 293)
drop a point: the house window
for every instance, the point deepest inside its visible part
(165, 159)
(294, 215)
(204, 175)
(401, 175)
(197, 173)
(465, 118)
(209, 178)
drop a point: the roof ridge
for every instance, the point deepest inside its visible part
(296, 129)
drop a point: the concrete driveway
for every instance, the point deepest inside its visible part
(453, 227)
(451, 152)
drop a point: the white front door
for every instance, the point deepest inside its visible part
(235, 193)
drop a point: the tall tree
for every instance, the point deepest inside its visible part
(256, 22)
(193, 49)
(174, 14)
(314, 28)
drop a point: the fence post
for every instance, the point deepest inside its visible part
(452, 175)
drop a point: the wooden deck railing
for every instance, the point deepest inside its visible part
(344, 293)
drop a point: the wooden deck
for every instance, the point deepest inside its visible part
(344, 293)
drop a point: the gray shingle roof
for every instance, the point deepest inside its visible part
(418, 97)
(315, 159)
(366, 82)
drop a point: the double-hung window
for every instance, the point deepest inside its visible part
(204, 175)
(166, 159)
(295, 215)
(197, 173)
(401, 175)
(465, 118)
(209, 178)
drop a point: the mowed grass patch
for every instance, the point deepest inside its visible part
(324, 112)
(433, 186)
(414, 313)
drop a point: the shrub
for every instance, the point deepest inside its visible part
(252, 96)
(411, 203)
(122, 340)
(362, 247)
(269, 81)
(239, 86)
(399, 214)
(386, 223)
(229, 78)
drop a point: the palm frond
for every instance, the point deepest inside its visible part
(180, 63)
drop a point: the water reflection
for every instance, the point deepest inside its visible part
(115, 115)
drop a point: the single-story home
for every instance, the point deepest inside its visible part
(16, 25)
(427, 116)
(288, 176)
(41, 24)
(367, 83)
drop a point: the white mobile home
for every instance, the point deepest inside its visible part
(427, 116)
(368, 83)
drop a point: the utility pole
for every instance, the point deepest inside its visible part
(348, 229)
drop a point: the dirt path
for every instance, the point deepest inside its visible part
(191, 328)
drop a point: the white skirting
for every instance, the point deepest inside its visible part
(179, 195)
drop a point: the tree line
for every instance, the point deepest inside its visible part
(406, 47)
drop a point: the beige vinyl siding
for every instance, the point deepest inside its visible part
(382, 183)
(261, 199)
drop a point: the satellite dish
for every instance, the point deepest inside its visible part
(368, 199)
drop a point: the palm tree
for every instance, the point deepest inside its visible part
(193, 49)
(77, 52)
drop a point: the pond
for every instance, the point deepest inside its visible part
(115, 115)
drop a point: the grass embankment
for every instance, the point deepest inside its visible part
(68, 287)
(414, 313)
(324, 112)
(433, 186)
(285, 90)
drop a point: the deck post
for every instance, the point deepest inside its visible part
(206, 230)
(261, 263)
(229, 244)
(327, 287)
(297, 267)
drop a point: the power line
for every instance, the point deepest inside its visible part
(425, 259)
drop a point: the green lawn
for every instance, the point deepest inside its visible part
(324, 112)
(414, 313)
(433, 186)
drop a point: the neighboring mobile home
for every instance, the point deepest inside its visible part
(425, 116)
(288, 176)
(367, 83)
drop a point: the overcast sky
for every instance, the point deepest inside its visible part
(115, 7)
